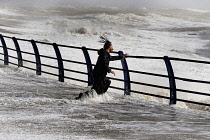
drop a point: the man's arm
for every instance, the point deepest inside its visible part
(113, 58)
(106, 63)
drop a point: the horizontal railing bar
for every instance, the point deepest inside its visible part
(1, 59)
(189, 60)
(13, 63)
(40, 42)
(144, 57)
(27, 40)
(12, 57)
(129, 56)
(7, 36)
(116, 79)
(1, 53)
(121, 69)
(70, 78)
(184, 79)
(110, 67)
(71, 61)
(150, 85)
(29, 68)
(113, 87)
(60, 45)
(171, 58)
(194, 92)
(66, 46)
(149, 94)
(21, 39)
(76, 71)
(160, 75)
(27, 53)
(48, 57)
(192, 102)
(139, 83)
(147, 73)
(29, 61)
(49, 73)
(115, 68)
(50, 66)
(90, 49)
(46, 43)
(191, 80)
(114, 52)
(11, 49)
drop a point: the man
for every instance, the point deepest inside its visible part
(100, 81)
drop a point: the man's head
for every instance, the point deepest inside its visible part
(108, 46)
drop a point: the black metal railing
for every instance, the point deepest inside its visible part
(126, 72)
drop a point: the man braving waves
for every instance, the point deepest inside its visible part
(100, 81)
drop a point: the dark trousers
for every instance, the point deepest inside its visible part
(101, 85)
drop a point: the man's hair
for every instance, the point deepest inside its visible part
(105, 40)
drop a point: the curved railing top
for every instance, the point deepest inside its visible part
(129, 56)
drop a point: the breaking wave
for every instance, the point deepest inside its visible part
(90, 96)
(121, 18)
(8, 12)
(198, 10)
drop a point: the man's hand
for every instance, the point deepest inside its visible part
(124, 56)
(113, 72)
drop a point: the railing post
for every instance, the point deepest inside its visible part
(37, 56)
(60, 62)
(19, 55)
(89, 65)
(6, 58)
(171, 80)
(127, 84)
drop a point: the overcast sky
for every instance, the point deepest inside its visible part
(196, 4)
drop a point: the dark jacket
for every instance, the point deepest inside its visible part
(102, 66)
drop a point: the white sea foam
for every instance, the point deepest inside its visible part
(48, 111)
(7, 12)
(172, 32)
(90, 96)
(121, 18)
(198, 10)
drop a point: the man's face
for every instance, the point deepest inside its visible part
(111, 48)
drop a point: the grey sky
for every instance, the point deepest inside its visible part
(197, 4)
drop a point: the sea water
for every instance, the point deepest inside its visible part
(37, 108)
(182, 33)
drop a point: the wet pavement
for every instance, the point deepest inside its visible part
(38, 108)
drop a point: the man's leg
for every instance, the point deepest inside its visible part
(79, 97)
(101, 85)
(98, 86)
(107, 84)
